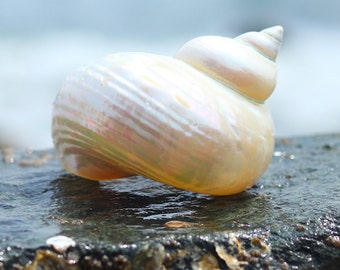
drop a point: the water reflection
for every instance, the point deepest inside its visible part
(137, 208)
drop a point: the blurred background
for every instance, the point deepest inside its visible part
(41, 42)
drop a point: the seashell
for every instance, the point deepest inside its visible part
(197, 121)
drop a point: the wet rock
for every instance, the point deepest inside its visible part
(289, 220)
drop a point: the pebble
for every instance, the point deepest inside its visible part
(60, 243)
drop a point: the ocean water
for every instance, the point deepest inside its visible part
(43, 43)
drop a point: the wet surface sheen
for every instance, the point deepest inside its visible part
(301, 186)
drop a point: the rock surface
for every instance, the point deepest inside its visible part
(289, 220)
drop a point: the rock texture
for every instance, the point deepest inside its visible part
(289, 220)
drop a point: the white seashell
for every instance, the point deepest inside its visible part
(60, 243)
(197, 121)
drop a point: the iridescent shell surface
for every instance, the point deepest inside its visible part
(197, 121)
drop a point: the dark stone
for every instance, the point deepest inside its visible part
(289, 220)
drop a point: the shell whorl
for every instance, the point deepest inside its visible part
(246, 63)
(267, 41)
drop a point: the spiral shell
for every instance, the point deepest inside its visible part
(197, 121)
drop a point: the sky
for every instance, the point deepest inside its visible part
(41, 42)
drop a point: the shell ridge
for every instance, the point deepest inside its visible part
(115, 153)
(178, 119)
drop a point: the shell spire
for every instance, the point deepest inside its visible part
(267, 42)
(245, 63)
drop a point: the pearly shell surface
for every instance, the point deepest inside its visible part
(197, 121)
